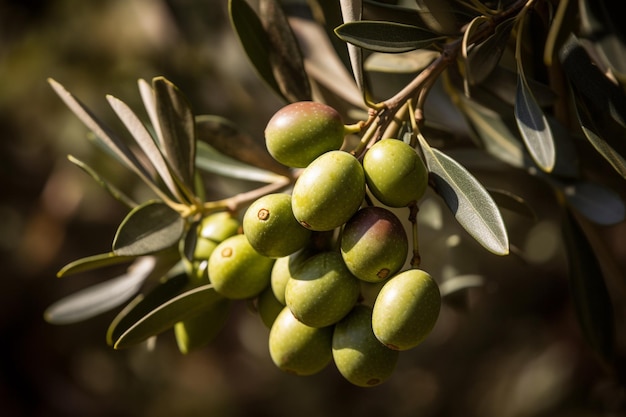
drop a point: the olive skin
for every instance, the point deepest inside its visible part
(271, 228)
(394, 172)
(322, 291)
(297, 348)
(300, 132)
(406, 309)
(198, 331)
(218, 226)
(284, 268)
(268, 307)
(358, 354)
(329, 191)
(374, 244)
(237, 271)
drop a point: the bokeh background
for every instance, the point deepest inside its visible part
(507, 348)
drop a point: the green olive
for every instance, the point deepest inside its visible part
(358, 354)
(394, 172)
(297, 348)
(329, 191)
(300, 132)
(406, 309)
(237, 271)
(268, 306)
(322, 291)
(284, 268)
(271, 228)
(198, 331)
(374, 244)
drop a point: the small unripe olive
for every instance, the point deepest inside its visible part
(322, 291)
(329, 191)
(358, 354)
(374, 244)
(395, 173)
(271, 228)
(297, 348)
(237, 271)
(198, 331)
(300, 132)
(218, 226)
(406, 309)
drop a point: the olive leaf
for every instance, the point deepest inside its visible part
(210, 160)
(254, 41)
(107, 185)
(177, 124)
(484, 57)
(596, 202)
(197, 331)
(285, 56)
(93, 262)
(471, 204)
(166, 315)
(387, 37)
(148, 228)
(352, 11)
(146, 142)
(101, 297)
(591, 298)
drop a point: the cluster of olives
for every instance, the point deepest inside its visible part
(306, 256)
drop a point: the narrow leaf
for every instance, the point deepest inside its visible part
(113, 190)
(178, 130)
(102, 132)
(285, 56)
(591, 298)
(210, 160)
(614, 158)
(254, 41)
(352, 11)
(533, 126)
(386, 36)
(149, 101)
(596, 202)
(146, 142)
(484, 57)
(101, 297)
(165, 316)
(93, 262)
(197, 331)
(149, 228)
(467, 199)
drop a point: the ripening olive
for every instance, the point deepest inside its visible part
(358, 354)
(297, 348)
(322, 291)
(218, 226)
(271, 228)
(329, 191)
(406, 309)
(283, 269)
(300, 132)
(374, 244)
(237, 271)
(394, 172)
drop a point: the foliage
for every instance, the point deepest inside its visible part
(533, 82)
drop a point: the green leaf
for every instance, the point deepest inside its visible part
(210, 160)
(591, 298)
(113, 190)
(614, 158)
(146, 142)
(226, 137)
(166, 315)
(285, 56)
(177, 129)
(351, 11)
(254, 41)
(93, 262)
(410, 62)
(144, 304)
(467, 199)
(484, 57)
(103, 133)
(596, 202)
(148, 228)
(533, 126)
(101, 297)
(386, 36)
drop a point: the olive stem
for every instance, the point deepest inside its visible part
(416, 259)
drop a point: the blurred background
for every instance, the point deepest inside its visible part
(508, 347)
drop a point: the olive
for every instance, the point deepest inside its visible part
(358, 354)
(374, 244)
(301, 131)
(198, 331)
(394, 172)
(406, 309)
(329, 191)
